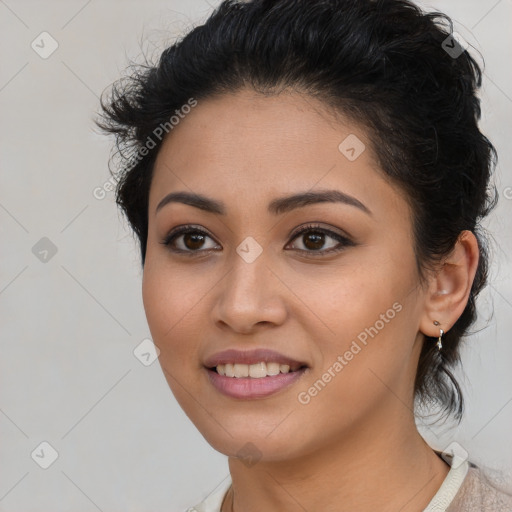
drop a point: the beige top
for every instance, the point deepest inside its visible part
(466, 488)
(478, 493)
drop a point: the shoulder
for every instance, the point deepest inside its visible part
(482, 490)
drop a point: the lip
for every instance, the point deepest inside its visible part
(251, 357)
(247, 388)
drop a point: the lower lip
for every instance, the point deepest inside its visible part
(249, 388)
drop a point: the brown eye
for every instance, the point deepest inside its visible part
(313, 239)
(193, 241)
(188, 239)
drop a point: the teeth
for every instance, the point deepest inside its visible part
(258, 370)
(273, 368)
(241, 370)
(255, 371)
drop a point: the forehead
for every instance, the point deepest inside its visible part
(246, 148)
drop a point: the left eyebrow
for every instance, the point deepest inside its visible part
(288, 203)
(277, 206)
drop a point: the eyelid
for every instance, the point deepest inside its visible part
(188, 227)
(343, 239)
(311, 226)
(184, 229)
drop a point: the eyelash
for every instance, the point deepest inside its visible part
(188, 229)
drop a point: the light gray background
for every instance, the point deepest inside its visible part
(69, 325)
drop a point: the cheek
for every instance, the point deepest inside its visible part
(371, 312)
(170, 302)
(353, 298)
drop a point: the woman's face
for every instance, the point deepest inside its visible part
(342, 298)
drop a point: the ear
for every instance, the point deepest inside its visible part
(449, 288)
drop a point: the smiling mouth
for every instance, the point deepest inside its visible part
(254, 371)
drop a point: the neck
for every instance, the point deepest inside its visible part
(386, 468)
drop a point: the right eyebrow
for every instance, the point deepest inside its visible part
(196, 200)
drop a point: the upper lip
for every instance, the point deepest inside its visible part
(251, 357)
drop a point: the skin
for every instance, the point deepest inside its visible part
(355, 445)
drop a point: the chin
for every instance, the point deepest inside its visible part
(252, 446)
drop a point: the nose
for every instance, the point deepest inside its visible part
(249, 297)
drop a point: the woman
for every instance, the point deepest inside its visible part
(307, 180)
